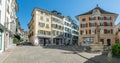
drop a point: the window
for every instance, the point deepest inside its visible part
(91, 24)
(53, 19)
(47, 25)
(92, 18)
(42, 24)
(44, 32)
(93, 31)
(101, 31)
(88, 40)
(47, 14)
(53, 32)
(59, 27)
(60, 33)
(108, 31)
(41, 12)
(84, 32)
(66, 29)
(41, 17)
(8, 8)
(101, 23)
(47, 32)
(64, 23)
(108, 18)
(41, 32)
(57, 33)
(104, 17)
(108, 24)
(47, 19)
(53, 25)
(83, 25)
(83, 19)
(100, 18)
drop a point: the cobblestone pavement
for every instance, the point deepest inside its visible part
(38, 54)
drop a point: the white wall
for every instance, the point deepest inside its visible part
(2, 20)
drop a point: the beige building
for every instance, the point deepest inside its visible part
(41, 26)
(57, 28)
(96, 26)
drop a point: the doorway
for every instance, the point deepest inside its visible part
(108, 42)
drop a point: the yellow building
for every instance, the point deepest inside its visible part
(97, 25)
(40, 27)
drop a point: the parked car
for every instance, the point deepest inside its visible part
(27, 44)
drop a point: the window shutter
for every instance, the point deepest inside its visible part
(81, 32)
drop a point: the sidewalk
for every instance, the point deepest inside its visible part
(96, 57)
(5, 55)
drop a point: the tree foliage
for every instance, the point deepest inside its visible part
(116, 49)
(15, 40)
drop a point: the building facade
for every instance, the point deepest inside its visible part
(26, 39)
(8, 9)
(67, 21)
(96, 26)
(49, 27)
(75, 33)
(40, 27)
(117, 33)
(57, 28)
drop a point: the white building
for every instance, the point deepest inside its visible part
(67, 30)
(71, 32)
(75, 33)
(8, 17)
(2, 21)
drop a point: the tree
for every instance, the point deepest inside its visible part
(116, 49)
(15, 40)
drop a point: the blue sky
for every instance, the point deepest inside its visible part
(66, 7)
